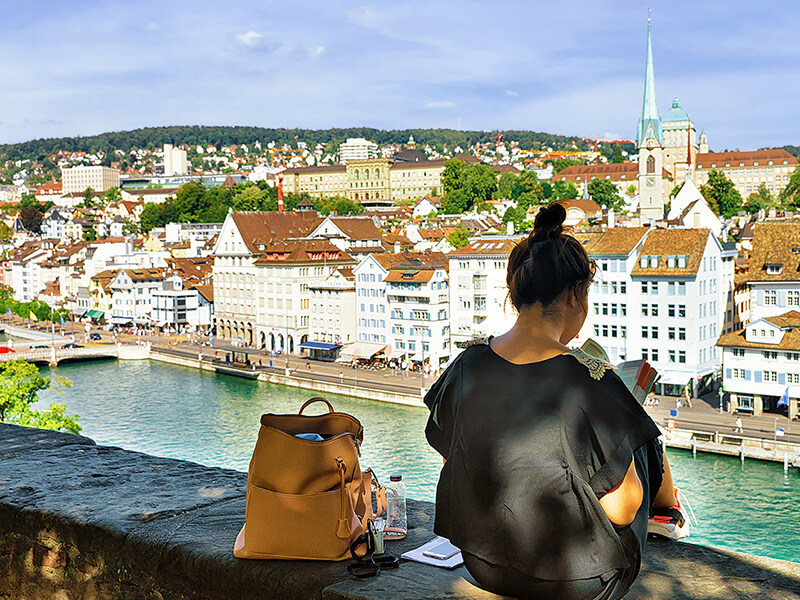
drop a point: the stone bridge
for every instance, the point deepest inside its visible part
(54, 355)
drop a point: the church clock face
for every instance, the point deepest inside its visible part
(650, 182)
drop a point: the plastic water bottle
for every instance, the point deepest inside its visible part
(396, 520)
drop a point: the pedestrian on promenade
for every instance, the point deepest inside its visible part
(341, 376)
(738, 428)
(545, 447)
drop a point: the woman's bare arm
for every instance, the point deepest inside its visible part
(622, 502)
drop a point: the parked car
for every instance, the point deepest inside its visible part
(6, 350)
(40, 347)
(94, 336)
(70, 345)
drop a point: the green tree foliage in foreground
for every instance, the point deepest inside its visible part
(20, 383)
(721, 194)
(617, 156)
(40, 310)
(466, 185)
(606, 194)
(564, 190)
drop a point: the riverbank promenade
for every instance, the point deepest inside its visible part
(78, 520)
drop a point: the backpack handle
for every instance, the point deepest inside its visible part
(316, 399)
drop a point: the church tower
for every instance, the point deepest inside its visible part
(650, 142)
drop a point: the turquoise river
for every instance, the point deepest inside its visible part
(213, 419)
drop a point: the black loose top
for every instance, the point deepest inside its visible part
(530, 448)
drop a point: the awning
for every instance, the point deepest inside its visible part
(318, 346)
(95, 314)
(362, 350)
(418, 357)
(672, 378)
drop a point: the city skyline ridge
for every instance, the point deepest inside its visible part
(324, 65)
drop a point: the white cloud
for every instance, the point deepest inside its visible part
(153, 26)
(511, 93)
(251, 39)
(316, 51)
(439, 105)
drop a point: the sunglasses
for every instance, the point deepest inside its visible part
(369, 565)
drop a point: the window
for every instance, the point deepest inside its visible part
(671, 310)
(645, 310)
(654, 354)
(771, 297)
(771, 376)
(623, 331)
(793, 356)
(654, 310)
(644, 287)
(681, 288)
(605, 308)
(737, 373)
(596, 329)
(681, 333)
(770, 355)
(623, 309)
(738, 352)
(793, 378)
(671, 288)
(671, 356)
(645, 331)
(682, 310)
(793, 298)
(622, 287)
(654, 287)
(654, 333)
(682, 356)
(671, 335)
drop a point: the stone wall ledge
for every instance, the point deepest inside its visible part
(78, 520)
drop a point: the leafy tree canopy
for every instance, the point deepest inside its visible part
(790, 195)
(459, 237)
(617, 156)
(564, 190)
(20, 383)
(722, 196)
(606, 194)
(31, 219)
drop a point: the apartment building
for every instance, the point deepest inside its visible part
(357, 149)
(774, 272)
(657, 296)
(478, 291)
(748, 170)
(77, 179)
(243, 239)
(132, 295)
(284, 273)
(333, 308)
(358, 236)
(418, 300)
(761, 363)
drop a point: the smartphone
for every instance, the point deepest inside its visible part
(442, 551)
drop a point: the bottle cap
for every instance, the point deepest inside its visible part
(396, 477)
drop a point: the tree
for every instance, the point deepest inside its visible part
(6, 233)
(453, 176)
(516, 215)
(790, 195)
(130, 228)
(90, 235)
(606, 194)
(459, 237)
(672, 194)
(505, 185)
(559, 164)
(250, 198)
(455, 202)
(526, 190)
(113, 195)
(20, 383)
(617, 156)
(480, 183)
(31, 219)
(564, 190)
(720, 193)
(88, 197)
(759, 200)
(152, 216)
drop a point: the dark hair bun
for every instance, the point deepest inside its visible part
(549, 221)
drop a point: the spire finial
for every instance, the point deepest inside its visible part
(649, 15)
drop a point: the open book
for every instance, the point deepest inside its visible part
(637, 375)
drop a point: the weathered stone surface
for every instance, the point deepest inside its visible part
(79, 520)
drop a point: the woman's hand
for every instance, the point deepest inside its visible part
(622, 502)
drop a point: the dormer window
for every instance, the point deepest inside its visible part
(671, 262)
(774, 269)
(643, 262)
(654, 262)
(682, 261)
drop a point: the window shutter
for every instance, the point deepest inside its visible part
(782, 378)
(781, 298)
(747, 375)
(758, 376)
(728, 373)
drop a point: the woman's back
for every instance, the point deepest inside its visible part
(529, 450)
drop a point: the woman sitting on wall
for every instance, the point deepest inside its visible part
(551, 466)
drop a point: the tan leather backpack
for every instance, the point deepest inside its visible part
(305, 499)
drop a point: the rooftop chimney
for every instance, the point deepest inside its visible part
(280, 192)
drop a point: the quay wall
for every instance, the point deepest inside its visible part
(734, 445)
(31, 334)
(78, 520)
(327, 387)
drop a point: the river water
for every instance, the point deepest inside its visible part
(213, 419)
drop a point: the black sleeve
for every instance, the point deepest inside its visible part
(439, 400)
(619, 427)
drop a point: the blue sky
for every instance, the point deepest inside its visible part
(575, 68)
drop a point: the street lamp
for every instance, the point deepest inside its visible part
(721, 394)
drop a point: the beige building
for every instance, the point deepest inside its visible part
(333, 308)
(100, 179)
(406, 176)
(175, 162)
(748, 170)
